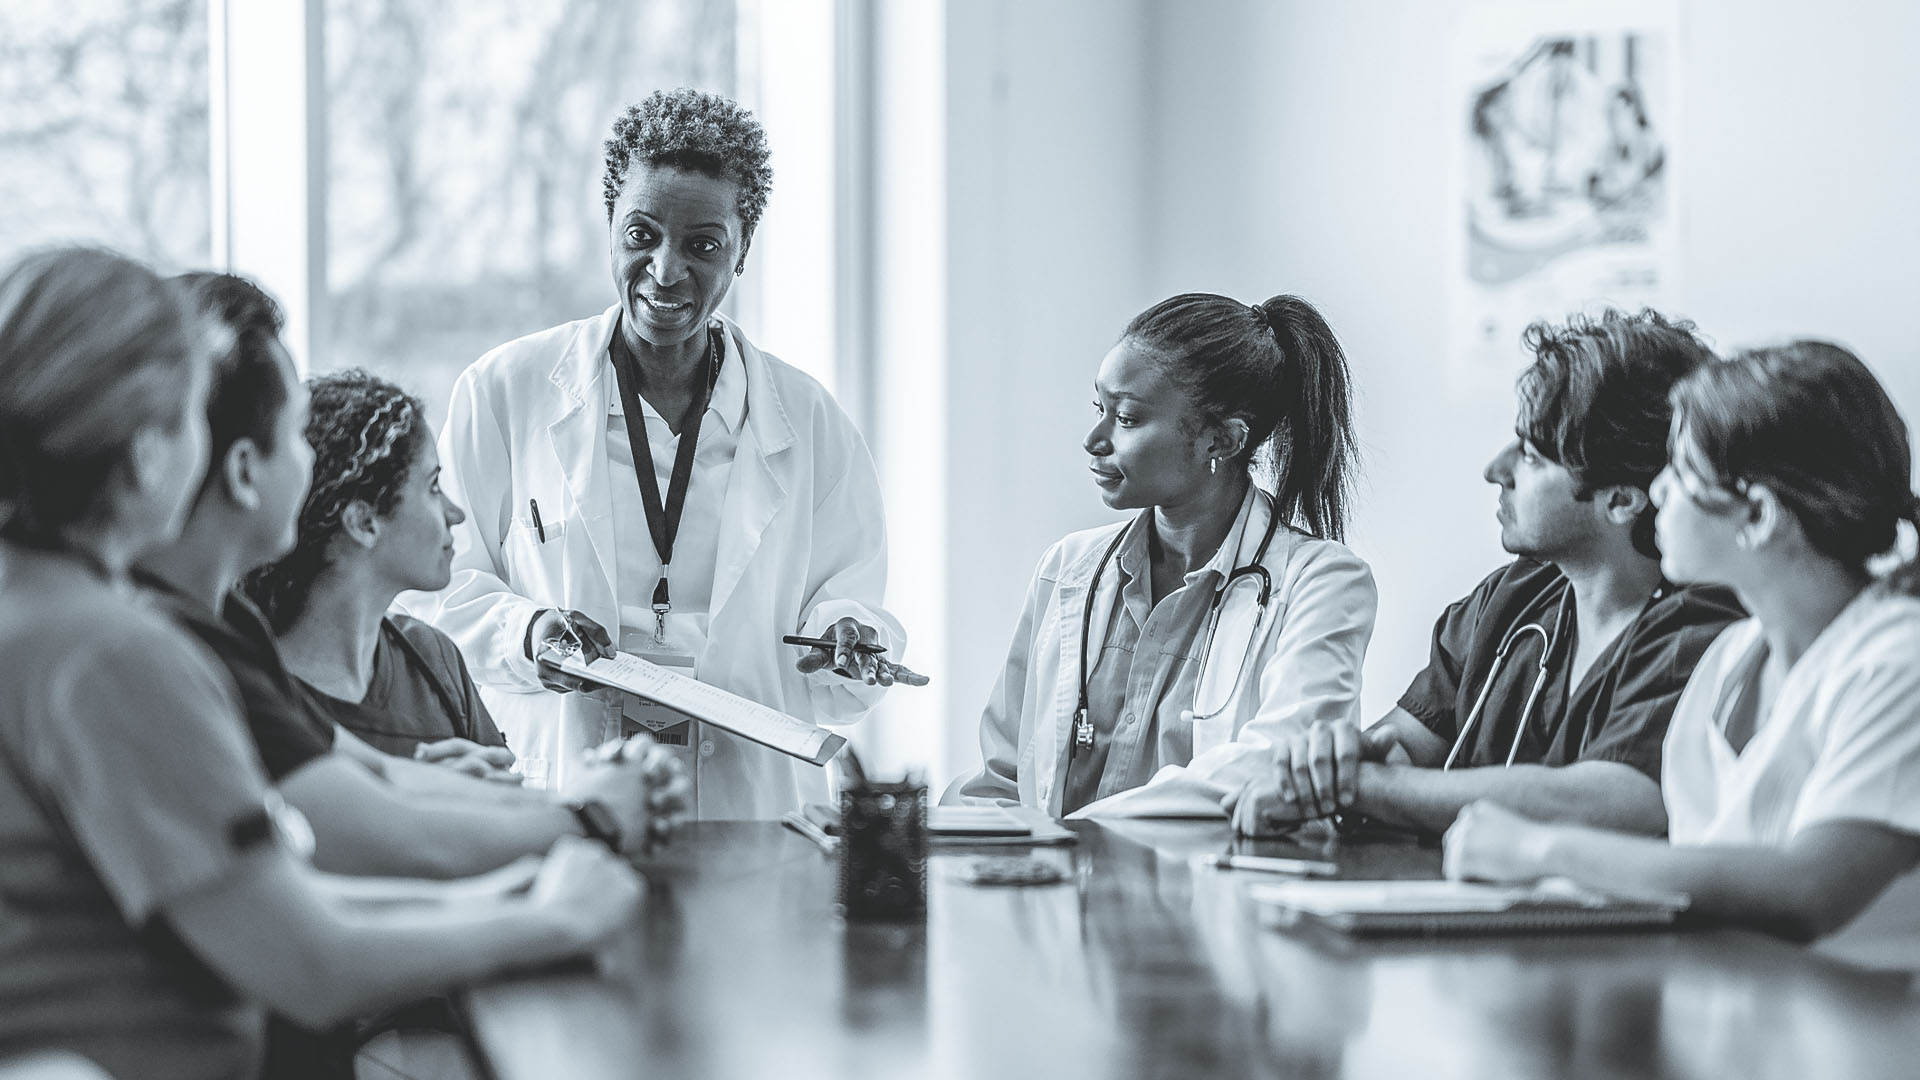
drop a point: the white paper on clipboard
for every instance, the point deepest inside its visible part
(708, 704)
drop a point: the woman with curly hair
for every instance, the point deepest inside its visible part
(376, 523)
(158, 899)
(648, 479)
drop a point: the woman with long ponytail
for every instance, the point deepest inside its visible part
(1791, 769)
(1157, 658)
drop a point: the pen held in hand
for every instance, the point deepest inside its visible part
(831, 645)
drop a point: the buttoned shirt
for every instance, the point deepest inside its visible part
(1144, 679)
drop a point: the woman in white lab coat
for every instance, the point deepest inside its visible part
(1224, 610)
(648, 478)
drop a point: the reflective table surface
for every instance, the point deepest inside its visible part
(1143, 964)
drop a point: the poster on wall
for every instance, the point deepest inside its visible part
(1565, 188)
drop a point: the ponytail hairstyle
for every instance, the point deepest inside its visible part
(1809, 421)
(94, 348)
(366, 434)
(1277, 367)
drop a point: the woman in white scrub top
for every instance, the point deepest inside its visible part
(649, 479)
(1792, 766)
(1187, 674)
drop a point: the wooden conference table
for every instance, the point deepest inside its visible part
(1141, 965)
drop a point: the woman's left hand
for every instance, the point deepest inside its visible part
(1488, 842)
(852, 663)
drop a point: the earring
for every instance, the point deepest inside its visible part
(1213, 466)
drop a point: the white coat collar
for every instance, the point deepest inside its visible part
(728, 404)
(1237, 549)
(582, 376)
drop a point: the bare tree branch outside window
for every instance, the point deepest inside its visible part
(103, 127)
(464, 160)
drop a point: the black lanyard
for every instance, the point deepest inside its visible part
(663, 518)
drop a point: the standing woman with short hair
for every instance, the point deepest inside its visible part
(1791, 770)
(1156, 660)
(649, 479)
(154, 887)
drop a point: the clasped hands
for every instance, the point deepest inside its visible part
(644, 785)
(1316, 774)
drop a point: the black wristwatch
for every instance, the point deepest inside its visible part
(598, 822)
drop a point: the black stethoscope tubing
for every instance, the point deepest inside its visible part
(1549, 641)
(1093, 590)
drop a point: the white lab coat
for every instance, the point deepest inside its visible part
(1306, 667)
(803, 545)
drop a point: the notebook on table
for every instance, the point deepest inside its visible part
(1441, 908)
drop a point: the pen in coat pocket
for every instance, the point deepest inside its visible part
(533, 508)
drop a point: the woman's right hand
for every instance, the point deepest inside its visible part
(588, 892)
(554, 625)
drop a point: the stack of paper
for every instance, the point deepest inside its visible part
(707, 704)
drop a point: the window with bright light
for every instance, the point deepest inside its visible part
(464, 160)
(103, 136)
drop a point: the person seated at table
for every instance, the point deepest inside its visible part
(375, 523)
(1792, 769)
(1550, 685)
(155, 894)
(1157, 659)
(373, 813)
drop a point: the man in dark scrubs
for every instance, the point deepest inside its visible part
(1550, 685)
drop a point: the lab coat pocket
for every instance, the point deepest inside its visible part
(535, 555)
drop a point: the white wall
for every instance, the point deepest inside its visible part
(1301, 147)
(1047, 174)
(1103, 155)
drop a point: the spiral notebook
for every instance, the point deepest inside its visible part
(1441, 908)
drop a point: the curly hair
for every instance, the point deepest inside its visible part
(94, 347)
(366, 434)
(1595, 398)
(701, 132)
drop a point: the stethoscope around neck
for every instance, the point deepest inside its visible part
(1248, 575)
(1548, 640)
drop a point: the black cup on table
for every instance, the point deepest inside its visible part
(883, 850)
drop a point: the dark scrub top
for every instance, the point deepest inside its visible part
(1619, 712)
(289, 728)
(420, 692)
(127, 783)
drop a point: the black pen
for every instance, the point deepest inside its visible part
(539, 529)
(826, 643)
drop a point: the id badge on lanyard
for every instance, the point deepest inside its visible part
(663, 523)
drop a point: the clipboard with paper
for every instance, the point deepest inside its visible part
(708, 704)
